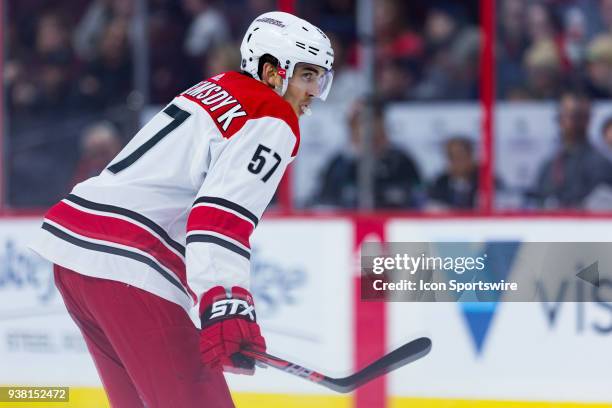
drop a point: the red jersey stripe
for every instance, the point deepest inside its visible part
(220, 221)
(118, 231)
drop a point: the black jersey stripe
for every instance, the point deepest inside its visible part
(230, 205)
(130, 214)
(115, 251)
(218, 241)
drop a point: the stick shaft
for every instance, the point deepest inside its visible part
(405, 354)
(284, 365)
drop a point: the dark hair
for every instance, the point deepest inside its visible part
(376, 105)
(577, 93)
(262, 60)
(461, 140)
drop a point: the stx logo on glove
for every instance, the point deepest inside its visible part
(228, 326)
(228, 307)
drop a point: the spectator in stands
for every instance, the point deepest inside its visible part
(394, 40)
(54, 61)
(465, 57)
(543, 67)
(207, 30)
(107, 79)
(43, 80)
(100, 143)
(576, 168)
(561, 43)
(451, 64)
(55, 90)
(348, 80)
(93, 24)
(602, 141)
(511, 47)
(52, 38)
(574, 37)
(541, 22)
(457, 186)
(337, 16)
(223, 58)
(604, 25)
(170, 70)
(599, 67)
(440, 30)
(395, 80)
(396, 177)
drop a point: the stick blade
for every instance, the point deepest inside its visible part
(399, 357)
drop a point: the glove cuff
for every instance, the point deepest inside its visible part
(219, 304)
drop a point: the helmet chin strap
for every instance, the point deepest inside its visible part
(285, 86)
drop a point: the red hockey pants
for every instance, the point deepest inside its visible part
(145, 348)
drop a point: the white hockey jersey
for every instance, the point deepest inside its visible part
(173, 212)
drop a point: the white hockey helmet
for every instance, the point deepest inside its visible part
(291, 40)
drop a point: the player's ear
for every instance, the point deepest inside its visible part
(270, 76)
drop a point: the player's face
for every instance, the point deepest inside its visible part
(304, 85)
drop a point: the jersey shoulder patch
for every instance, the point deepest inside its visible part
(232, 98)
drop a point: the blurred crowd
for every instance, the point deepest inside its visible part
(78, 54)
(578, 175)
(72, 76)
(75, 95)
(398, 181)
(73, 70)
(424, 50)
(547, 46)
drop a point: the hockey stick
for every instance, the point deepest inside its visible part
(406, 354)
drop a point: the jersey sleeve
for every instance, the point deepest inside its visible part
(243, 175)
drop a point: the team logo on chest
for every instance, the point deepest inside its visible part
(221, 105)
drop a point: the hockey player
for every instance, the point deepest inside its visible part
(166, 226)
